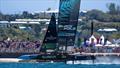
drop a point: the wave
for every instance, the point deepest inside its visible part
(99, 60)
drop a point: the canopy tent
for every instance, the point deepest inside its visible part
(92, 39)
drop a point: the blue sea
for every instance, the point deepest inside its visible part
(56, 65)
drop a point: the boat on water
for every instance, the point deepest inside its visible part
(59, 57)
(59, 39)
(50, 51)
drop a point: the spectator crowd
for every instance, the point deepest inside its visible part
(18, 45)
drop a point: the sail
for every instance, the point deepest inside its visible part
(67, 22)
(50, 38)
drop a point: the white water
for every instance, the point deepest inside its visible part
(99, 60)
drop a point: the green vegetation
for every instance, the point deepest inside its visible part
(31, 32)
(84, 28)
(109, 19)
(113, 14)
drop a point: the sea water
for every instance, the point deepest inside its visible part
(55, 65)
(100, 62)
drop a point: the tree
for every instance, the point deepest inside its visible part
(25, 14)
(118, 10)
(48, 9)
(1, 16)
(98, 15)
(111, 8)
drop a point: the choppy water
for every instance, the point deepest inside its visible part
(56, 65)
(100, 62)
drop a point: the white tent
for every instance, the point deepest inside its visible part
(94, 39)
(102, 39)
(108, 43)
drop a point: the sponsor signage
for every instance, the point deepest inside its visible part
(67, 20)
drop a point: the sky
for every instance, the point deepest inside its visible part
(18, 6)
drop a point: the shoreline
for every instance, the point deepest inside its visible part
(9, 60)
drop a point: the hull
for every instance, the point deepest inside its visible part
(62, 57)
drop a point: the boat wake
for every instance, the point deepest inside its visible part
(99, 60)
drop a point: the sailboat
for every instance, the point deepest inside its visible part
(49, 50)
(62, 36)
(50, 39)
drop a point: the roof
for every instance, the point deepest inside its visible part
(50, 11)
(108, 29)
(4, 22)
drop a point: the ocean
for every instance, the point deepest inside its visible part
(55, 65)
